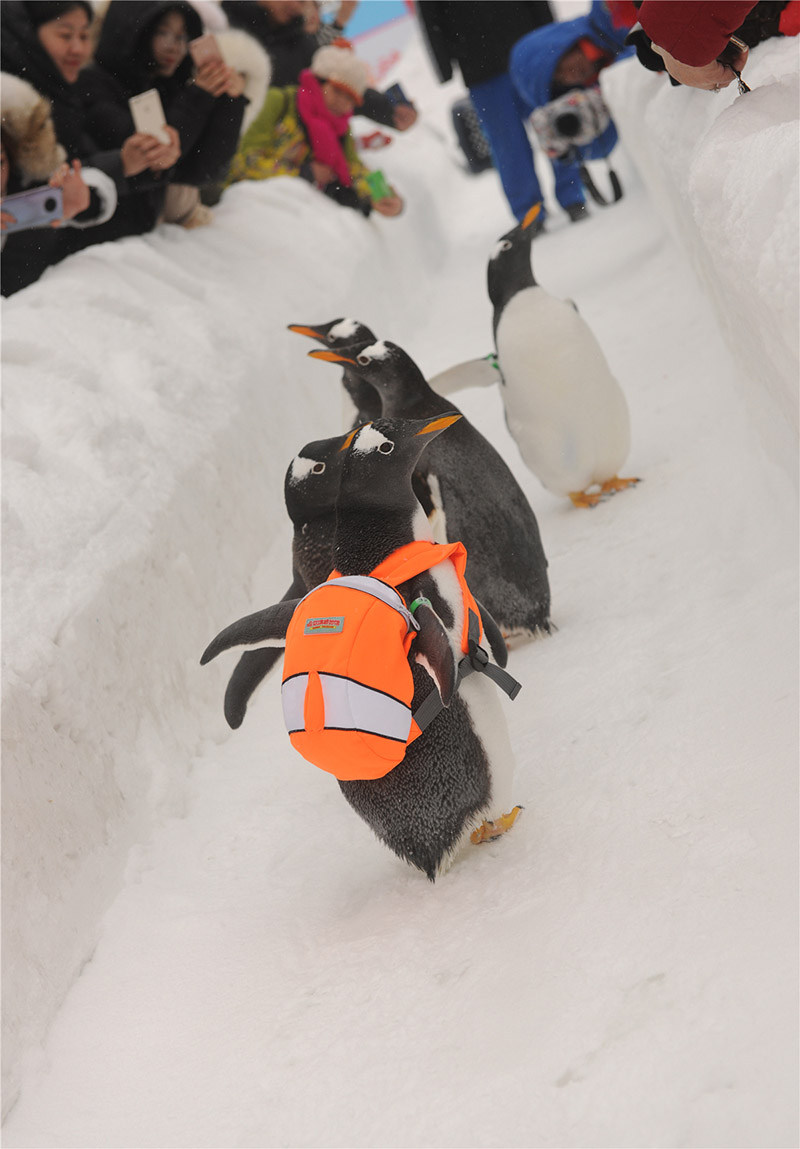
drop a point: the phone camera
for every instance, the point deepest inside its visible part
(51, 203)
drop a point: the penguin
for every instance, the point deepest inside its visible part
(564, 408)
(310, 490)
(338, 334)
(479, 501)
(364, 401)
(454, 782)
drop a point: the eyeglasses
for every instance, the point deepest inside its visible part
(168, 37)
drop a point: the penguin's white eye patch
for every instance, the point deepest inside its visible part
(318, 469)
(345, 329)
(368, 439)
(501, 245)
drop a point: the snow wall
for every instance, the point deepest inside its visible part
(145, 386)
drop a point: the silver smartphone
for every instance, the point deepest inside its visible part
(37, 207)
(148, 115)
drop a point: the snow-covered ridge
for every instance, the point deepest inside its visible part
(724, 171)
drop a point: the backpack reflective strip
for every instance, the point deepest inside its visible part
(377, 589)
(348, 706)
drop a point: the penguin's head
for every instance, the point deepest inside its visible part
(510, 261)
(338, 333)
(383, 364)
(383, 454)
(312, 481)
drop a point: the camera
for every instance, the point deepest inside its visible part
(571, 121)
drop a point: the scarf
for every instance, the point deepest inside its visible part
(324, 129)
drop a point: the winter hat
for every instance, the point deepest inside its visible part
(26, 120)
(340, 66)
(43, 11)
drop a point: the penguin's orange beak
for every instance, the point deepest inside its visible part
(531, 215)
(350, 437)
(311, 332)
(439, 424)
(330, 357)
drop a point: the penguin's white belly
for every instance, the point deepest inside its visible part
(564, 408)
(482, 701)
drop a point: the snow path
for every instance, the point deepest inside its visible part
(619, 970)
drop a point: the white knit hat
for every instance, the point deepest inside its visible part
(340, 66)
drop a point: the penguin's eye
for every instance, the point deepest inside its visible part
(363, 360)
(505, 245)
(329, 337)
(318, 468)
(386, 448)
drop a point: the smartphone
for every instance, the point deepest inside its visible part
(377, 185)
(397, 95)
(205, 50)
(38, 207)
(148, 115)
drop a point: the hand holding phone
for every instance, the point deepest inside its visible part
(205, 50)
(379, 188)
(37, 207)
(148, 115)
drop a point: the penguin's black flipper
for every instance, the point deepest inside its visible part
(432, 648)
(252, 667)
(259, 627)
(493, 636)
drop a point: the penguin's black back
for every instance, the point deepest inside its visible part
(486, 509)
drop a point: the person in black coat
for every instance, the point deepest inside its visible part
(280, 27)
(478, 35)
(143, 45)
(46, 43)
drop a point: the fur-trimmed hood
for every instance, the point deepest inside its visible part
(244, 53)
(25, 116)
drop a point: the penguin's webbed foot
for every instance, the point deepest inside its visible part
(488, 831)
(611, 486)
(607, 489)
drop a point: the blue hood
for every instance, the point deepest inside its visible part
(533, 58)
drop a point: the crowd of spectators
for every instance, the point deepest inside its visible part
(274, 91)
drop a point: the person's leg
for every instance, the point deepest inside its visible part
(503, 121)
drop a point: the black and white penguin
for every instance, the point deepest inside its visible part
(310, 491)
(455, 779)
(478, 500)
(364, 403)
(564, 408)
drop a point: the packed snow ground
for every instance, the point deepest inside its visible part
(622, 968)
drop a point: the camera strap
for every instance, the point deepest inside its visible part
(594, 191)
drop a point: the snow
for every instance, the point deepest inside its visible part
(203, 945)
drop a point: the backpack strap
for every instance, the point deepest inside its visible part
(380, 590)
(414, 558)
(475, 661)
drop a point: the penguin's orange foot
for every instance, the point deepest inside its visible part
(585, 499)
(610, 486)
(488, 831)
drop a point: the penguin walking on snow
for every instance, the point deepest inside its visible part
(479, 501)
(563, 406)
(454, 781)
(310, 491)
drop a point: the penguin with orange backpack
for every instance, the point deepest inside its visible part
(386, 682)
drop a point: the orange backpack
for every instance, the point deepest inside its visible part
(347, 684)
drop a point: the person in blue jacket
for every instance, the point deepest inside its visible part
(556, 59)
